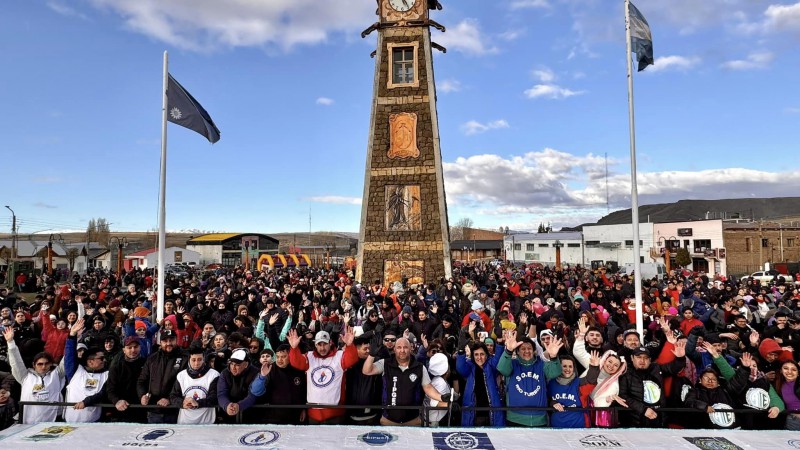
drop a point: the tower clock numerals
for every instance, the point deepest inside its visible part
(402, 5)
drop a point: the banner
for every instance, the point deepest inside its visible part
(55, 435)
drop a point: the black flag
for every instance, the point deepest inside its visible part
(185, 111)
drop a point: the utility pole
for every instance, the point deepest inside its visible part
(13, 233)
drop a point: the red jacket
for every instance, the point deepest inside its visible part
(54, 339)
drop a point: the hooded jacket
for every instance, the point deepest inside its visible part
(467, 369)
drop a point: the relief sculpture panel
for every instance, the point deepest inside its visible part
(403, 136)
(403, 208)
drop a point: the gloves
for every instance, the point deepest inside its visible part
(447, 398)
(375, 345)
(463, 340)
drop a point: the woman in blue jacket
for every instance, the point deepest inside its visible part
(480, 371)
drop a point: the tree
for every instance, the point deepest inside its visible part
(457, 230)
(72, 255)
(682, 257)
(98, 230)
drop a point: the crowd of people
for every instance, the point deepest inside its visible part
(495, 345)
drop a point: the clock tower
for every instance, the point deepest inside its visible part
(404, 232)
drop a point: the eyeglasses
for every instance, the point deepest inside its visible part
(389, 339)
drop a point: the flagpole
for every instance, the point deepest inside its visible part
(162, 197)
(634, 189)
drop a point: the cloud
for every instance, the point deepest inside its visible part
(542, 180)
(325, 101)
(209, 25)
(551, 91)
(44, 205)
(674, 63)
(336, 200)
(449, 85)
(65, 10)
(545, 75)
(466, 37)
(524, 4)
(47, 180)
(754, 61)
(474, 127)
(780, 18)
(511, 35)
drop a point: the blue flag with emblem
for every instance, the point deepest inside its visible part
(187, 112)
(641, 38)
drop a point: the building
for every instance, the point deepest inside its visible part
(748, 246)
(475, 250)
(612, 245)
(232, 249)
(149, 258)
(66, 256)
(545, 248)
(703, 239)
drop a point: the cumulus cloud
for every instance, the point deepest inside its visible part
(674, 63)
(551, 91)
(336, 200)
(544, 74)
(555, 179)
(466, 37)
(474, 127)
(207, 25)
(783, 17)
(449, 85)
(325, 101)
(758, 60)
(66, 10)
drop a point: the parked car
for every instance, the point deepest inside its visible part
(765, 277)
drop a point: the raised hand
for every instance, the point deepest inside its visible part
(77, 328)
(594, 358)
(293, 338)
(680, 349)
(511, 340)
(755, 338)
(180, 310)
(748, 361)
(554, 346)
(348, 335)
(471, 328)
(711, 350)
(582, 325)
(424, 340)
(8, 333)
(266, 368)
(523, 317)
(273, 319)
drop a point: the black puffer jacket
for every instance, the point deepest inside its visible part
(727, 392)
(632, 390)
(159, 373)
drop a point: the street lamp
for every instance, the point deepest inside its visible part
(13, 232)
(466, 250)
(50, 252)
(558, 244)
(327, 256)
(121, 243)
(247, 254)
(667, 244)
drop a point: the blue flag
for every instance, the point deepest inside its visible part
(641, 38)
(185, 111)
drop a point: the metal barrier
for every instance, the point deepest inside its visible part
(423, 409)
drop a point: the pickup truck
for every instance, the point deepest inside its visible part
(767, 276)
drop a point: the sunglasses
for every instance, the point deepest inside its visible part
(389, 339)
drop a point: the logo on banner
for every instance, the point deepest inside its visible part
(713, 443)
(377, 438)
(462, 441)
(157, 434)
(794, 443)
(50, 433)
(599, 441)
(259, 438)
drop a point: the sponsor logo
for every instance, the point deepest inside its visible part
(652, 392)
(794, 443)
(50, 433)
(713, 443)
(757, 398)
(259, 438)
(377, 438)
(722, 419)
(322, 376)
(412, 377)
(599, 441)
(462, 441)
(157, 434)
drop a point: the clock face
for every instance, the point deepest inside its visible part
(402, 5)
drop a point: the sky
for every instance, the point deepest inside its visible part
(532, 103)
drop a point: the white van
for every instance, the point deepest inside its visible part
(648, 270)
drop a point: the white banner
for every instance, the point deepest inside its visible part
(85, 436)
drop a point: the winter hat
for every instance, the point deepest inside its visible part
(438, 365)
(141, 311)
(672, 311)
(477, 305)
(474, 316)
(407, 310)
(139, 324)
(114, 303)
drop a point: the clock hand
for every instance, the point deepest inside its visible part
(405, 3)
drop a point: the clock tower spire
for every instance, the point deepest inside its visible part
(404, 234)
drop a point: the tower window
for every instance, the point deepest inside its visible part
(403, 64)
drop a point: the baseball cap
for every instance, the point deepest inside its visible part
(322, 336)
(168, 334)
(238, 355)
(131, 340)
(640, 351)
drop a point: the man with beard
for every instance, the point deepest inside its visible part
(158, 377)
(592, 341)
(85, 379)
(284, 385)
(122, 378)
(325, 368)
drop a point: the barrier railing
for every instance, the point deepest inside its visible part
(423, 409)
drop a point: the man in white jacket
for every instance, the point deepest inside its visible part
(42, 383)
(87, 376)
(195, 390)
